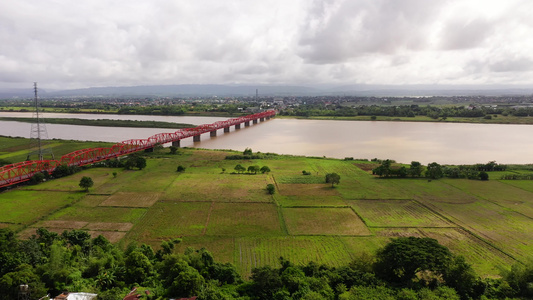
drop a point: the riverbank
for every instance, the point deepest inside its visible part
(495, 119)
(105, 123)
(490, 119)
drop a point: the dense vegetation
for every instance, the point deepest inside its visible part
(434, 170)
(406, 268)
(503, 109)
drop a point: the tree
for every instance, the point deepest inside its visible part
(264, 169)
(483, 175)
(415, 170)
(180, 169)
(460, 276)
(384, 169)
(138, 267)
(86, 182)
(135, 161)
(253, 169)
(140, 163)
(402, 258)
(271, 189)
(333, 178)
(173, 149)
(247, 151)
(239, 168)
(434, 171)
(37, 178)
(76, 237)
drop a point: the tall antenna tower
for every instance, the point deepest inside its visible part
(38, 135)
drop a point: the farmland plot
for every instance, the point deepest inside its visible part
(364, 186)
(71, 183)
(112, 231)
(397, 213)
(26, 207)
(256, 252)
(123, 199)
(167, 220)
(310, 200)
(435, 190)
(157, 176)
(499, 226)
(219, 188)
(307, 190)
(324, 166)
(299, 179)
(323, 221)
(244, 219)
(526, 185)
(98, 214)
(503, 194)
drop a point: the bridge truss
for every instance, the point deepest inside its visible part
(23, 171)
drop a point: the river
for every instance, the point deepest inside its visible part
(445, 143)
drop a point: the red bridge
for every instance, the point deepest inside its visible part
(23, 171)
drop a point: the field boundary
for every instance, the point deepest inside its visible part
(208, 216)
(470, 232)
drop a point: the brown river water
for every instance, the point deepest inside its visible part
(445, 143)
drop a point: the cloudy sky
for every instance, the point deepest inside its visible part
(74, 44)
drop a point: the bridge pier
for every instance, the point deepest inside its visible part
(262, 119)
(255, 121)
(213, 133)
(226, 129)
(176, 143)
(196, 138)
(238, 126)
(247, 123)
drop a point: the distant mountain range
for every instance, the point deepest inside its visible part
(212, 90)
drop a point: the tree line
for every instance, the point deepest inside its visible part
(406, 268)
(434, 112)
(388, 168)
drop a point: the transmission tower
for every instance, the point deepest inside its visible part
(38, 135)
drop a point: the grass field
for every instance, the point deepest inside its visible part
(502, 194)
(219, 187)
(234, 217)
(167, 220)
(17, 149)
(243, 219)
(256, 252)
(323, 221)
(397, 213)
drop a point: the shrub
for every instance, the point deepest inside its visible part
(271, 189)
(483, 175)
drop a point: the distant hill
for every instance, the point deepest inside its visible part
(212, 90)
(190, 90)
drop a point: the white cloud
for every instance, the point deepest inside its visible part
(65, 44)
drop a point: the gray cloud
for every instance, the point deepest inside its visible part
(461, 34)
(340, 30)
(62, 44)
(521, 64)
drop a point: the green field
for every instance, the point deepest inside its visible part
(306, 219)
(17, 149)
